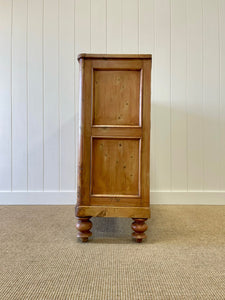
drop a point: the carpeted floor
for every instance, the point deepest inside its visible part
(183, 258)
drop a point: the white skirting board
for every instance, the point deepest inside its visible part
(69, 198)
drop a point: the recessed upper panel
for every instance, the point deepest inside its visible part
(117, 97)
(115, 166)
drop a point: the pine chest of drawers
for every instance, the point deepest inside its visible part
(114, 140)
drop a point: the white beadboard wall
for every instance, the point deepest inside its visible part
(39, 43)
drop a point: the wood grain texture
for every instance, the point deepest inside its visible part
(113, 167)
(113, 56)
(83, 169)
(139, 227)
(146, 125)
(83, 226)
(112, 200)
(110, 131)
(112, 212)
(117, 97)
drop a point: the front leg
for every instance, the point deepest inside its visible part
(139, 227)
(83, 226)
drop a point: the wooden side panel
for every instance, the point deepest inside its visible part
(146, 123)
(114, 132)
(117, 97)
(112, 212)
(83, 168)
(115, 166)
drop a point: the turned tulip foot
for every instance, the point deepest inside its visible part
(139, 227)
(83, 226)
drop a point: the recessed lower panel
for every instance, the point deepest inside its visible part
(115, 167)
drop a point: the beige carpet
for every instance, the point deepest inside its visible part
(183, 258)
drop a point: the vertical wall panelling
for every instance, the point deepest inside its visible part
(222, 90)
(98, 26)
(82, 44)
(194, 95)
(39, 90)
(146, 26)
(130, 26)
(178, 95)
(162, 95)
(35, 95)
(5, 94)
(211, 96)
(19, 96)
(51, 96)
(147, 45)
(82, 26)
(114, 26)
(66, 94)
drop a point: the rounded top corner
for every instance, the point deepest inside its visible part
(113, 56)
